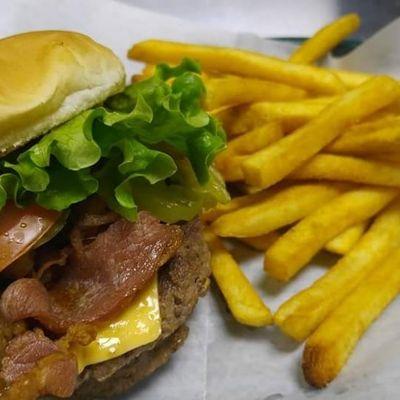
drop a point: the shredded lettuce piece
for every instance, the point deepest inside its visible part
(151, 146)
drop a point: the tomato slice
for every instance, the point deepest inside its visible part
(21, 228)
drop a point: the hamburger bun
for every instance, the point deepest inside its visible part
(48, 78)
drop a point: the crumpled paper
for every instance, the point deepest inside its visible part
(222, 359)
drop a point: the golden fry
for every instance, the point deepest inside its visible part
(282, 208)
(383, 122)
(269, 166)
(290, 122)
(148, 70)
(299, 316)
(240, 62)
(345, 241)
(234, 90)
(351, 169)
(137, 78)
(327, 38)
(329, 347)
(234, 204)
(290, 114)
(231, 168)
(262, 242)
(351, 79)
(227, 115)
(251, 141)
(256, 139)
(243, 301)
(248, 189)
(294, 249)
(380, 141)
(393, 158)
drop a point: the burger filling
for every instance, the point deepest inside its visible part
(89, 214)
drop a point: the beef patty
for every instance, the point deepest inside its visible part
(180, 283)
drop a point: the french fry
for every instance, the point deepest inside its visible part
(350, 169)
(243, 301)
(299, 316)
(240, 62)
(380, 141)
(289, 123)
(384, 114)
(294, 249)
(282, 208)
(351, 79)
(251, 189)
(272, 164)
(345, 241)
(235, 203)
(392, 110)
(251, 141)
(262, 242)
(383, 122)
(229, 162)
(290, 114)
(148, 70)
(246, 189)
(330, 346)
(255, 139)
(137, 78)
(226, 115)
(235, 90)
(393, 158)
(326, 39)
(231, 169)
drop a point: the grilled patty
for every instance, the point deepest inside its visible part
(180, 283)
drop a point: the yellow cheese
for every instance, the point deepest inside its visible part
(138, 325)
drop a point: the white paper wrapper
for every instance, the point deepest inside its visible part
(221, 359)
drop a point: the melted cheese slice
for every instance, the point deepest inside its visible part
(138, 325)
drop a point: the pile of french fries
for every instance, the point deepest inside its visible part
(315, 154)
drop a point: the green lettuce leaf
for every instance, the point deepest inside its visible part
(66, 187)
(150, 147)
(10, 188)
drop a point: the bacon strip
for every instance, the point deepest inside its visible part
(23, 352)
(101, 278)
(33, 360)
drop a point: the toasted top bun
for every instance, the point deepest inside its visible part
(48, 77)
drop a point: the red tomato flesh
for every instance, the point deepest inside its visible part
(21, 228)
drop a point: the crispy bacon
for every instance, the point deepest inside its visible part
(53, 258)
(35, 366)
(100, 279)
(23, 352)
(54, 375)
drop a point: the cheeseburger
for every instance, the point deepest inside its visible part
(102, 258)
